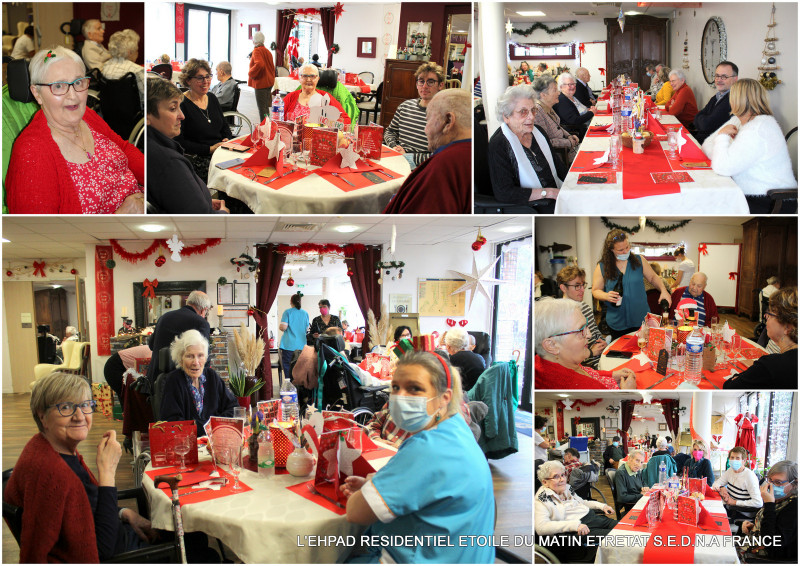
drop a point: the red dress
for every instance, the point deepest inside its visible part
(746, 435)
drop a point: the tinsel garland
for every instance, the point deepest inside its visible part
(550, 31)
(660, 229)
(578, 402)
(348, 250)
(134, 257)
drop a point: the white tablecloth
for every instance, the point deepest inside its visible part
(309, 195)
(709, 549)
(708, 194)
(286, 84)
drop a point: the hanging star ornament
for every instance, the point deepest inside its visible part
(478, 281)
(349, 157)
(509, 27)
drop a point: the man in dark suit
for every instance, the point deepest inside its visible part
(718, 110)
(582, 90)
(192, 316)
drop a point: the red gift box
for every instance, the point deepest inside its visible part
(323, 145)
(338, 457)
(371, 138)
(351, 78)
(698, 485)
(424, 342)
(688, 510)
(162, 443)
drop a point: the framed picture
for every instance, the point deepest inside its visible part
(612, 423)
(225, 294)
(367, 47)
(549, 430)
(241, 293)
(251, 29)
(234, 316)
(418, 34)
(662, 426)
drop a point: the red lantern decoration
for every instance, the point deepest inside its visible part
(476, 246)
(160, 260)
(290, 282)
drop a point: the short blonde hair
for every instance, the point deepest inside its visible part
(58, 387)
(749, 96)
(435, 369)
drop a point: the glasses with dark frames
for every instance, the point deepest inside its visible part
(583, 329)
(68, 408)
(60, 88)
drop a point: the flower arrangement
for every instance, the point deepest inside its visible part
(238, 382)
(250, 349)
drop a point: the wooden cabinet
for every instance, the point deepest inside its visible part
(769, 247)
(398, 86)
(644, 42)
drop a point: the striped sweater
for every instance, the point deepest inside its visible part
(591, 361)
(742, 487)
(408, 130)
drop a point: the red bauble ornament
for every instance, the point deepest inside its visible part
(476, 246)
(160, 260)
(250, 312)
(578, 408)
(350, 273)
(8, 273)
(481, 239)
(290, 282)
(73, 271)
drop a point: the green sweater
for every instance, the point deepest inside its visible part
(629, 486)
(345, 98)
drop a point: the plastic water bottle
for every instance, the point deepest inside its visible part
(289, 408)
(694, 357)
(277, 108)
(266, 455)
(662, 474)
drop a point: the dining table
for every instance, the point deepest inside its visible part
(273, 520)
(289, 84)
(646, 183)
(648, 378)
(310, 190)
(670, 542)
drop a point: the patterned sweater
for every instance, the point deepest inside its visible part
(408, 130)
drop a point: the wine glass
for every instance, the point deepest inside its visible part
(183, 445)
(672, 141)
(642, 338)
(680, 359)
(235, 466)
(615, 148)
(255, 136)
(307, 155)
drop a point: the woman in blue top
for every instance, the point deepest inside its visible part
(437, 485)
(294, 323)
(626, 310)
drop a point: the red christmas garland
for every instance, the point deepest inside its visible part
(578, 402)
(134, 257)
(348, 250)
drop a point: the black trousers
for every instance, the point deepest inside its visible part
(113, 371)
(599, 525)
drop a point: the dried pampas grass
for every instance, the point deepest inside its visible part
(378, 329)
(250, 348)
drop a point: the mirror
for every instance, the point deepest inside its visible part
(457, 38)
(169, 296)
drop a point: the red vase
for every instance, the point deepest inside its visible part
(243, 401)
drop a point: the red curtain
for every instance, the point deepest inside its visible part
(626, 416)
(285, 21)
(270, 269)
(670, 407)
(365, 282)
(328, 17)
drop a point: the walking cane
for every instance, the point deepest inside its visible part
(177, 520)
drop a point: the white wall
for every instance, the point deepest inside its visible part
(746, 27)
(241, 45)
(8, 384)
(365, 20)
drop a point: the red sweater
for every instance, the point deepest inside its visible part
(57, 520)
(440, 185)
(262, 69)
(290, 101)
(682, 105)
(38, 179)
(550, 375)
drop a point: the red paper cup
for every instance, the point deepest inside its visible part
(683, 333)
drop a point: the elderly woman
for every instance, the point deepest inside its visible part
(664, 93)
(204, 127)
(559, 511)
(67, 160)
(778, 518)
(571, 110)
(618, 269)
(469, 364)
(261, 75)
(521, 161)
(774, 371)
(322, 322)
(562, 334)
(750, 147)
(173, 186)
(405, 493)
(681, 104)
(193, 391)
(547, 118)
(628, 480)
(69, 514)
(124, 48)
(299, 102)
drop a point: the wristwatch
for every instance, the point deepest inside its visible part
(544, 193)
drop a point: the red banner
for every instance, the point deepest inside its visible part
(104, 299)
(179, 37)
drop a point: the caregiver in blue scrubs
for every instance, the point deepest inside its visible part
(438, 485)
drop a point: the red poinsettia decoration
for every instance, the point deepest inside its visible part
(160, 260)
(338, 9)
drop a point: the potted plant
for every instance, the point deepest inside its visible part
(242, 390)
(251, 352)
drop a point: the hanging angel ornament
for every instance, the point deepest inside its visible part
(175, 246)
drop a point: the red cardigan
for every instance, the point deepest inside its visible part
(290, 101)
(709, 305)
(57, 520)
(262, 70)
(38, 179)
(682, 105)
(550, 375)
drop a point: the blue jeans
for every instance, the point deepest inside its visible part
(286, 362)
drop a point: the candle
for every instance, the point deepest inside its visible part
(124, 311)
(219, 310)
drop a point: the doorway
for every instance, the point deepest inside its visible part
(208, 33)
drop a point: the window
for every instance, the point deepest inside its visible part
(774, 412)
(655, 251)
(207, 32)
(310, 41)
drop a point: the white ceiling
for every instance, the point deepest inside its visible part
(616, 396)
(50, 237)
(565, 11)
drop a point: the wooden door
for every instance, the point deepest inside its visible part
(19, 308)
(643, 42)
(398, 86)
(748, 283)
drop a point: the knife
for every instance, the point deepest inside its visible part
(213, 481)
(279, 177)
(711, 382)
(663, 379)
(313, 490)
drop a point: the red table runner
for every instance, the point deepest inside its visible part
(648, 377)
(636, 170)
(201, 473)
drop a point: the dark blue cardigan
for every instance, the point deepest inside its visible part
(178, 403)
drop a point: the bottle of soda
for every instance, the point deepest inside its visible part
(266, 455)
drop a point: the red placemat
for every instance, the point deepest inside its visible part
(752, 353)
(584, 162)
(598, 132)
(203, 470)
(302, 490)
(626, 344)
(636, 170)
(388, 152)
(356, 178)
(334, 165)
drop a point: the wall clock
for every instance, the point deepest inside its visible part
(714, 47)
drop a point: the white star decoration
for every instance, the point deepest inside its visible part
(509, 27)
(275, 146)
(349, 157)
(478, 281)
(347, 456)
(175, 246)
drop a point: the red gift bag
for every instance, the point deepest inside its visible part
(688, 510)
(698, 485)
(163, 436)
(338, 458)
(376, 365)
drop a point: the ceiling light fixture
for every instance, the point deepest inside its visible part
(511, 229)
(536, 13)
(346, 228)
(151, 227)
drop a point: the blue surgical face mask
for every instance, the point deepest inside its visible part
(736, 464)
(778, 492)
(410, 413)
(615, 444)
(623, 257)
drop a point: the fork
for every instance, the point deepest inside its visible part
(343, 179)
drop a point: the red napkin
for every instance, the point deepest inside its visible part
(302, 490)
(334, 165)
(626, 344)
(388, 152)
(584, 162)
(206, 495)
(356, 178)
(655, 126)
(690, 150)
(283, 181)
(261, 159)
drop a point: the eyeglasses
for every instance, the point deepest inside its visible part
(68, 409)
(780, 482)
(771, 314)
(568, 84)
(524, 112)
(577, 286)
(583, 329)
(309, 76)
(60, 88)
(724, 77)
(557, 477)
(202, 78)
(429, 82)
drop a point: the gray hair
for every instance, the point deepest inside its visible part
(542, 84)
(258, 38)
(121, 44)
(199, 299)
(661, 443)
(699, 274)
(39, 65)
(784, 466)
(772, 280)
(70, 330)
(133, 35)
(634, 452)
(225, 67)
(87, 25)
(456, 338)
(551, 318)
(508, 100)
(310, 67)
(564, 76)
(183, 342)
(546, 469)
(580, 70)
(678, 73)
(58, 387)
(472, 341)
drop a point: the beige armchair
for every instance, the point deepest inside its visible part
(72, 352)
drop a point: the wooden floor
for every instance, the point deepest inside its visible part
(513, 480)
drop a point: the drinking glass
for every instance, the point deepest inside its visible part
(680, 359)
(642, 338)
(183, 445)
(672, 141)
(658, 113)
(714, 321)
(255, 136)
(235, 466)
(307, 155)
(615, 148)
